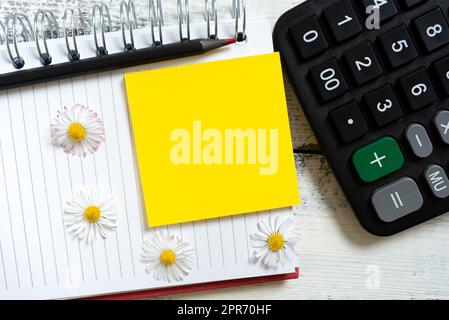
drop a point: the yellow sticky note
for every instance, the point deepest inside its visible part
(212, 139)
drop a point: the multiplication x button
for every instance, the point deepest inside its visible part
(378, 159)
(441, 122)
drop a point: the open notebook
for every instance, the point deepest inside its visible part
(38, 258)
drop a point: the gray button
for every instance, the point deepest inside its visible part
(419, 140)
(438, 181)
(442, 123)
(397, 200)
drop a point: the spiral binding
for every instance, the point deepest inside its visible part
(44, 19)
(211, 17)
(3, 34)
(184, 19)
(73, 53)
(46, 27)
(128, 21)
(156, 20)
(11, 36)
(99, 13)
(239, 14)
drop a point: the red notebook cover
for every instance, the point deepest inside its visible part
(197, 287)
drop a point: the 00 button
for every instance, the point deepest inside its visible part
(378, 159)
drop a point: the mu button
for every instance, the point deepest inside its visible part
(438, 181)
(378, 159)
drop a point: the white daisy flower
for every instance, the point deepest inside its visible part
(167, 257)
(275, 242)
(90, 213)
(78, 130)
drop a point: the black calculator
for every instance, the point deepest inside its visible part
(373, 79)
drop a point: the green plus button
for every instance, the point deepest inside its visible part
(378, 159)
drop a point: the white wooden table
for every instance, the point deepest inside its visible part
(339, 260)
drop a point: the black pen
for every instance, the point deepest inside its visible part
(111, 61)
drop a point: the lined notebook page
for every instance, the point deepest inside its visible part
(38, 257)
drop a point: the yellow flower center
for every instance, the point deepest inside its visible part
(168, 257)
(76, 132)
(92, 214)
(276, 242)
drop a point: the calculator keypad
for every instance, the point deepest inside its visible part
(378, 101)
(363, 63)
(419, 140)
(438, 181)
(378, 159)
(386, 8)
(383, 105)
(397, 200)
(411, 3)
(441, 122)
(343, 21)
(442, 69)
(418, 89)
(329, 80)
(433, 30)
(309, 38)
(349, 122)
(398, 46)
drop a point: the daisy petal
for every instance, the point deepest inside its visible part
(167, 257)
(88, 137)
(80, 221)
(275, 242)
